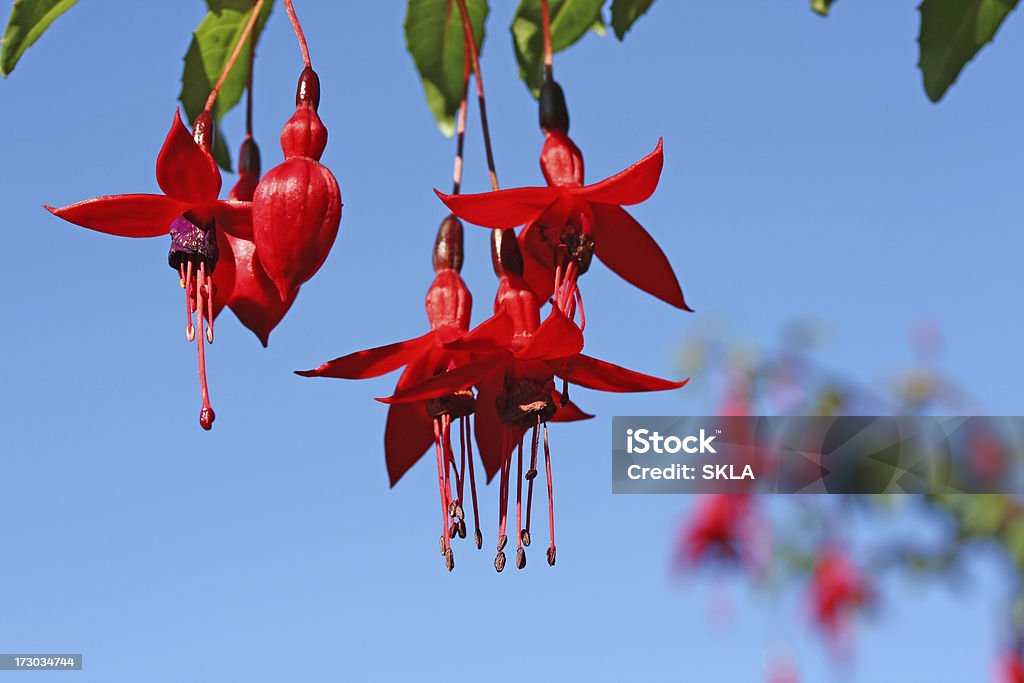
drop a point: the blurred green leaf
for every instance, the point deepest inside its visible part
(212, 44)
(952, 32)
(821, 6)
(434, 38)
(29, 18)
(570, 21)
(625, 13)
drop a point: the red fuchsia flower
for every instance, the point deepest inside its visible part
(719, 528)
(836, 591)
(190, 211)
(413, 427)
(248, 291)
(297, 204)
(567, 222)
(515, 358)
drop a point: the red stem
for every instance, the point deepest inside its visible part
(246, 34)
(297, 27)
(548, 52)
(460, 125)
(467, 30)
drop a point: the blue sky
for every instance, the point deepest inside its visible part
(806, 174)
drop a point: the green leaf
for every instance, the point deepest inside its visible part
(822, 6)
(212, 44)
(570, 21)
(952, 32)
(625, 13)
(434, 38)
(29, 18)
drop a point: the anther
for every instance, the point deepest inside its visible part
(502, 540)
(525, 536)
(462, 529)
(449, 560)
(479, 537)
(530, 474)
(520, 558)
(499, 562)
(551, 556)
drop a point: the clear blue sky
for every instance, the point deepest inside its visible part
(806, 174)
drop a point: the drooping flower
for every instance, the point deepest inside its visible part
(413, 426)
(837, 590)
(567, 222)
(193, 215)
(249, 293)
(515, 358)
(297, 204)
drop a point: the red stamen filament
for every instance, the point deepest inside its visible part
(441, 479)
(519, 506)
(468, 446)
(551, 504)
(297, 27)
(206, 414)
(531, 475)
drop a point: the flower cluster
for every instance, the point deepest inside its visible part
(268, 237)
(503, 372)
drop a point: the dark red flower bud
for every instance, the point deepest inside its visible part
(308, 90)
(554, 115)
(448, 245)
(202, 131)
(505, 254)
(249, 160)
(248, 171)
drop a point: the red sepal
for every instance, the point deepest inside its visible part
(184, 170)
(630, 252)
(631, 186)
(126, 215)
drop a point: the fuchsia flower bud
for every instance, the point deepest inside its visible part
(297, 205)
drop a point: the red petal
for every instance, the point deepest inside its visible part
(629, 251)
(234, 217)
(557, 337)
(407, 436)
(445, 383)
(570, 412)
(538, 255)
(127, 215)
(184, 170)
(503, 208)
(410, 430)
(494, 438)
(631, 186)
(373, 362)
(223, 274)
(253, 297)
(597, 374)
